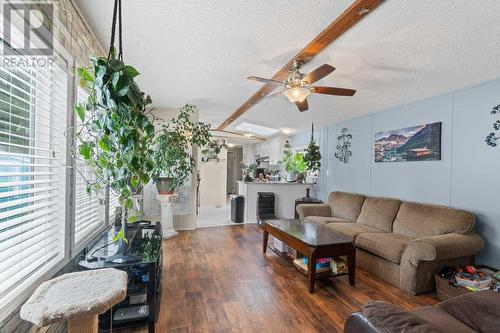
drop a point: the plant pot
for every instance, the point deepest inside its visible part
(163, 184)
(291, 177)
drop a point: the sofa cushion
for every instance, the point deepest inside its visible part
(441, 319)
(346, 205)
(352, 229)
(422, 220)
(379, 212)
(479, 310)
(386, 245)
(322, 220)
(389, 318)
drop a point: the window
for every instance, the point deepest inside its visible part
(33, 110)
(89, 208)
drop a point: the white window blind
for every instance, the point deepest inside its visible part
(89, 209)
(113, 203)
(33, 116)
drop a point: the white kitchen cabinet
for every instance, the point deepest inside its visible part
(248, 153)
(276, 149)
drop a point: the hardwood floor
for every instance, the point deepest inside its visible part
(218, 280)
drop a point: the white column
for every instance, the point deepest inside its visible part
(167, 214)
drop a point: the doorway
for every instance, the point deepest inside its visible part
(218, 179)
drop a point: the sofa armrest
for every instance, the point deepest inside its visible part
(305, 210)
(442, 247)
(426, 256)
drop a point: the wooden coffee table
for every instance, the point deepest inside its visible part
(313, 241)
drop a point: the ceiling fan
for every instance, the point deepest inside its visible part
(298, 86)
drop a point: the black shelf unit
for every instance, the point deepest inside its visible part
(145, 276)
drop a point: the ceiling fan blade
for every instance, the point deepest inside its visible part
(270, 96)
(318, 73)
(261, 79)
(303, 106)
(333, 91)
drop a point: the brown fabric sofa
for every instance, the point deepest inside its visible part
(469, 313)
(404, 243)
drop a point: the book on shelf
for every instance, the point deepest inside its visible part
(300, 262)
(338, 266)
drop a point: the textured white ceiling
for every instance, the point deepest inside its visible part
(201, 52)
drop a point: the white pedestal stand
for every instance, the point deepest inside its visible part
(167, 216)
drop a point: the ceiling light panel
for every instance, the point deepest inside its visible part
(256, 129)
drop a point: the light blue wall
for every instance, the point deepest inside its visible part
(467, 177)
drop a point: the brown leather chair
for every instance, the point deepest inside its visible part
(473, 312)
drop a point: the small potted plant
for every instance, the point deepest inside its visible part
(172, 157)
(294, 164)
(247, 171)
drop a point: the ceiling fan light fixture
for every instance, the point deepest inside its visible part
(297, 94)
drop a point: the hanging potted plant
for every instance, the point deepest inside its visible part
(172, 159)
(115, 134)
(312, 158)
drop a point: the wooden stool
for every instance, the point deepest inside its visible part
(77, 297)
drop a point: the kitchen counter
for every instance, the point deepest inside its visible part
(285, 194)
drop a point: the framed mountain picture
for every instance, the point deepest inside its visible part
(417, 143)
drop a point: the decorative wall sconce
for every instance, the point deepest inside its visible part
(343, 146)
(491, 139)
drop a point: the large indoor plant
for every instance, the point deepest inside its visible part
(115, 134)
(172, 154)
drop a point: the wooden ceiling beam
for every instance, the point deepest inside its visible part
(352, 15)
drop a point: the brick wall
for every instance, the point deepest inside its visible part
(73, 34)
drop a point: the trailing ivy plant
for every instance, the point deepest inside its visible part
(115, 134)
(171, 155)
(312, 155)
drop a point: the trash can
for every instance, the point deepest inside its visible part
(237, 208)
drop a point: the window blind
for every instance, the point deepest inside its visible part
(113, 203)
(89, 209)
(33, 116)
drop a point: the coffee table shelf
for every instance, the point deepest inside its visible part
(320, 275)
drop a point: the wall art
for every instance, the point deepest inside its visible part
(344, 146)
(491, 139)
(416, 143)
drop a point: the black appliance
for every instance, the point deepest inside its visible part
(259, 171)
(237, 208)
(265, 207)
